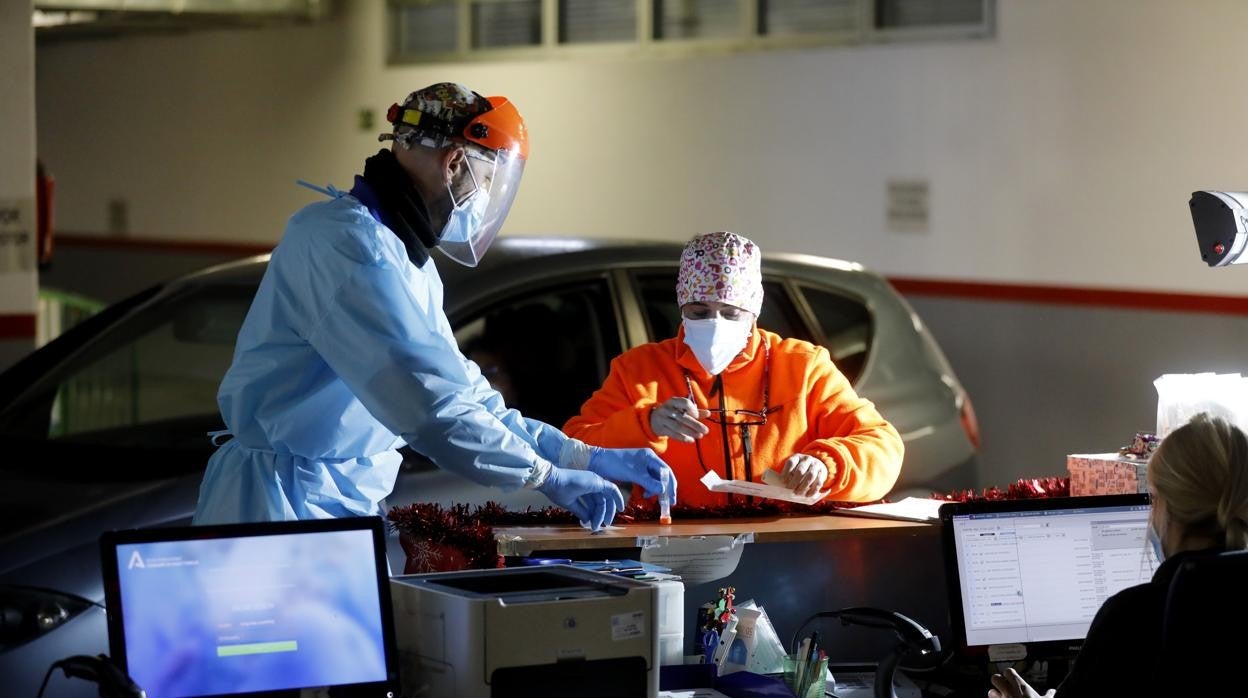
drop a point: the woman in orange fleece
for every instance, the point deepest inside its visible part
(727, 396)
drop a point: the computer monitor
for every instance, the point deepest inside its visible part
(264, 609)
(1027, 576)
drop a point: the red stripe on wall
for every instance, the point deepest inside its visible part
(1073, 295)
(17, 326)
(971, 290)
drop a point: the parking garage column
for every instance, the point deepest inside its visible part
(18, 273)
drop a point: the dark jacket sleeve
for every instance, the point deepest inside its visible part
(1123, 644)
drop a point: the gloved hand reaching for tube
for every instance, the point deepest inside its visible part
(640, 466)
(588, 496)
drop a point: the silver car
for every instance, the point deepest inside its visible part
(105, 427)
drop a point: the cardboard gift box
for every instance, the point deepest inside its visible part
(1105, 473)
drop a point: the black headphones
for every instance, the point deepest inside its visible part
(911, 633)
(113, 682)
(914, 638)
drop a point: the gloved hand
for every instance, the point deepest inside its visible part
(678, 419)
(637, 465)
(590, 498)
(804, 474)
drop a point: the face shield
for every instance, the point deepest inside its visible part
(494, 172)
(476, 216)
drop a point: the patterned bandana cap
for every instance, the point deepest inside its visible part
(446, 108)
(721, 267)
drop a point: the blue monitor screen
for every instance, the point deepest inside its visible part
(250, 614)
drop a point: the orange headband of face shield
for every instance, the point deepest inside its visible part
(500, 128)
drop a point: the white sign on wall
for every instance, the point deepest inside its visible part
(17, 234)
(908, 205)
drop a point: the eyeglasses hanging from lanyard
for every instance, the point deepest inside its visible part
(742, 419)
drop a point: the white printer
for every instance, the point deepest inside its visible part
(555, 631)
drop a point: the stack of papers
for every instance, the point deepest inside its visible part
(909, 509)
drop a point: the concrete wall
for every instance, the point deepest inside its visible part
(1059, 152)
(18, 281)
(1063, 150)
(1048, 380)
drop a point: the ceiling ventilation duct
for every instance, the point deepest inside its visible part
(68, 19)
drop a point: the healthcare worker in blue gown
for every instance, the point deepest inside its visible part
(346, 352)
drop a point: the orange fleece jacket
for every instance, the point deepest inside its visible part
(813, 410)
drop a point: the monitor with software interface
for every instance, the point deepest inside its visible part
(266, 609)
(1027, 576)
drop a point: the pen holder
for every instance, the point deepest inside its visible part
(816, 675)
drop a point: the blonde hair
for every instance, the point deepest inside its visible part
(1200, 471)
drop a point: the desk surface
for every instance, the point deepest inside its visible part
(524, 540)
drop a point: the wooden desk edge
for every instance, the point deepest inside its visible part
(525, 540)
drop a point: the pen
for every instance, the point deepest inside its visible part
(799, 665)
(725, 642)
(812, 663)
(822, 665)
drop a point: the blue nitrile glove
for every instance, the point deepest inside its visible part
(638, 465)
(590, 498)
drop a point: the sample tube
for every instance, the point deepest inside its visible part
(665, 501)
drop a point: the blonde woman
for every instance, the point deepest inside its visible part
(1199, 481)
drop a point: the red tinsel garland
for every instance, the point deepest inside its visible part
(1033, 488)
(440, 538)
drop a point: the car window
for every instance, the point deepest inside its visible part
(545, 351)
(158, 366)
(846, 325)
(658, 299)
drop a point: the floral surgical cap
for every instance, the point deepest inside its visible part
(722, 267)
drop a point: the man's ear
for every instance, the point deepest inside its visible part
(451, 160)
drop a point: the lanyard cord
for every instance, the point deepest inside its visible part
(746, 441)
(718, 384)
(747, 449)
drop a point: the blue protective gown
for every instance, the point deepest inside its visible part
(345, 354)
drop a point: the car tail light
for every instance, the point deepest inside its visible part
(970, 424)
(27, 613)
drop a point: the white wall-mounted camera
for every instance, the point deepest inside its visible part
(1221, 220)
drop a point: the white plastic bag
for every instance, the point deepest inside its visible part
(761, 651)
(1181, 396)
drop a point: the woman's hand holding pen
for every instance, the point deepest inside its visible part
(678, 419)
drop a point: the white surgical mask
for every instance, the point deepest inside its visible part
(716, 341)
(1154, 541)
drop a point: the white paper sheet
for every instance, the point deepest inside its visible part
(909, 509)
(715, 483)
(697, 559)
